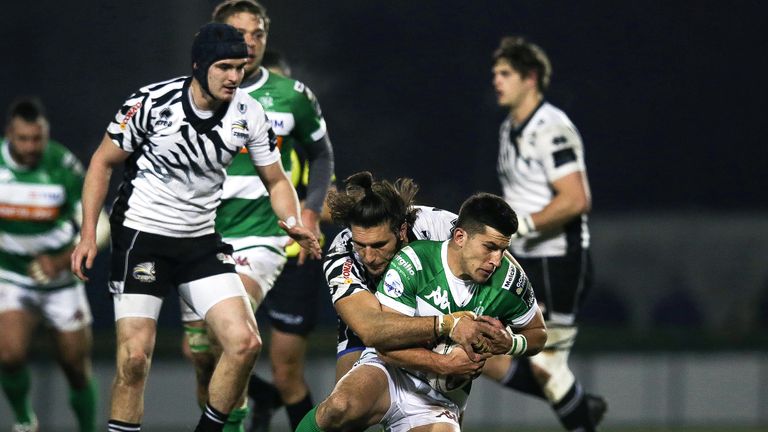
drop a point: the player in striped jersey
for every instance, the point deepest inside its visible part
(246, 220)
(40, 186)
(544, 178)
(380, 219)
(176, 139)
(469, 272)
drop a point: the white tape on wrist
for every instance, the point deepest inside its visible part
(525, 225)
(519, 343)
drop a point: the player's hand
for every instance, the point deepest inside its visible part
(525, 227)
(311, 220)
(458, 362)
(46, 267)
(303, 236)
(481, 333)
(82, 258)
(497, 342)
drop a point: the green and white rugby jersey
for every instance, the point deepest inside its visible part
(36, 210)
(420, 283)
(296, 119)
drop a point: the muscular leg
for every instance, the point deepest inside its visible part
(359, 400)
(287, 354)
(17, 327)
(135, 344)
(436, 427)
(73, 349)
(233, 324)
(345, 363)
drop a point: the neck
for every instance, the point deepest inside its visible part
(252, 77)
(201, 98)
(454, 262)
(521, 112)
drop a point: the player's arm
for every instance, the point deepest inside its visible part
(571, 199)
(535, 334)
(320, 157)
(107, 156)
(285, 203)
(457, 362)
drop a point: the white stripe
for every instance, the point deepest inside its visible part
(412, 256)
(388, 302)
(316, 135)
(29, 194)
(33, 244)
(247, 187)
(522, 321)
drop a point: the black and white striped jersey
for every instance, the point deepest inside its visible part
(531, 157)
(345, 273)
(172, 182)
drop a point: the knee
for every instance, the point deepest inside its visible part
(336, 412)
(244, 344)
(133, 367)
(287, 377)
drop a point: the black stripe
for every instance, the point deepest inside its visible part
(564, 156)
(202, 126)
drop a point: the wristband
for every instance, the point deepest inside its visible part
(519, 343)
(525, 225)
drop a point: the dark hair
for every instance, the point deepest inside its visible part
(230, 7)
(526, 58)
(368, 203)
(484, 209)
(28, 108)
(275, 59)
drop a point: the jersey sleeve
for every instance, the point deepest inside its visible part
(561, 150)
(342, 274)
(397, 288)
(433, 223)
(262, 141)
(73, 178)
(129, 127)
(310, 124)
(521, 300)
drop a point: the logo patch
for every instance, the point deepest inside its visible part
(242, 107)
(165, 115)
(266, 101)
(225, 258)
(144, 272)
(131, 112)
(240, 128)
(346, 270)
(393, 286)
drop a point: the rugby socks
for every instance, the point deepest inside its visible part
(235, 419)
(308, 423)
(263, 393)
(520, 378)
(211, 420)
(16, 387)
(121, 426)
(573, 411)
(83, 403)
(298, 410)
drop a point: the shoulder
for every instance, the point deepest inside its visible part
(60, 157)
(551, 126)
(433, 223)
(511, 277)
(416, 256)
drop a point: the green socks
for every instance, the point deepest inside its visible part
(83, 403)
(16, 387)
(308, 423)
(235, 420)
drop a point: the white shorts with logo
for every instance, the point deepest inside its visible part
(413, 402)
(65, 309)
(260, 258)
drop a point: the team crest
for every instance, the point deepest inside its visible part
(242, 107)
(266, 102)
(393, 286)
(144, 272)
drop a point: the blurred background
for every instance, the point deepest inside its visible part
(668, 98)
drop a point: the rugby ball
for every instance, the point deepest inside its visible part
(446, 383)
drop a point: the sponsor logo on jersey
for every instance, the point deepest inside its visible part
(266, 102)
(346, 270)
(165, 114)
(144, 272)
(447, 414)
(131, 112)
(225, 258)
(439, 298)
(242, 261)
(240, 128)
(393, 286)
(405, 265)
(298, 86)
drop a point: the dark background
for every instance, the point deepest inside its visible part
(668, 96)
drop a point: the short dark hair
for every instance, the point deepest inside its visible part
(228, 8)
(485, 209)
(368, 203)
(28, 108)
(526, 58)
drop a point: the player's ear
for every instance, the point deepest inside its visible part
(403, 232)
(459, 236)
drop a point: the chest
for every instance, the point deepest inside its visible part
(30, 197)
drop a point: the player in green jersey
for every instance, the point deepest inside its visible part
(246, 220)
(40, 187)
(470, 272)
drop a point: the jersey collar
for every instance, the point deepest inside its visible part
(251, 86)
(201, 125)
(5, 150)
(517, 130)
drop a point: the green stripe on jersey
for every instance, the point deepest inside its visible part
(244, 218)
